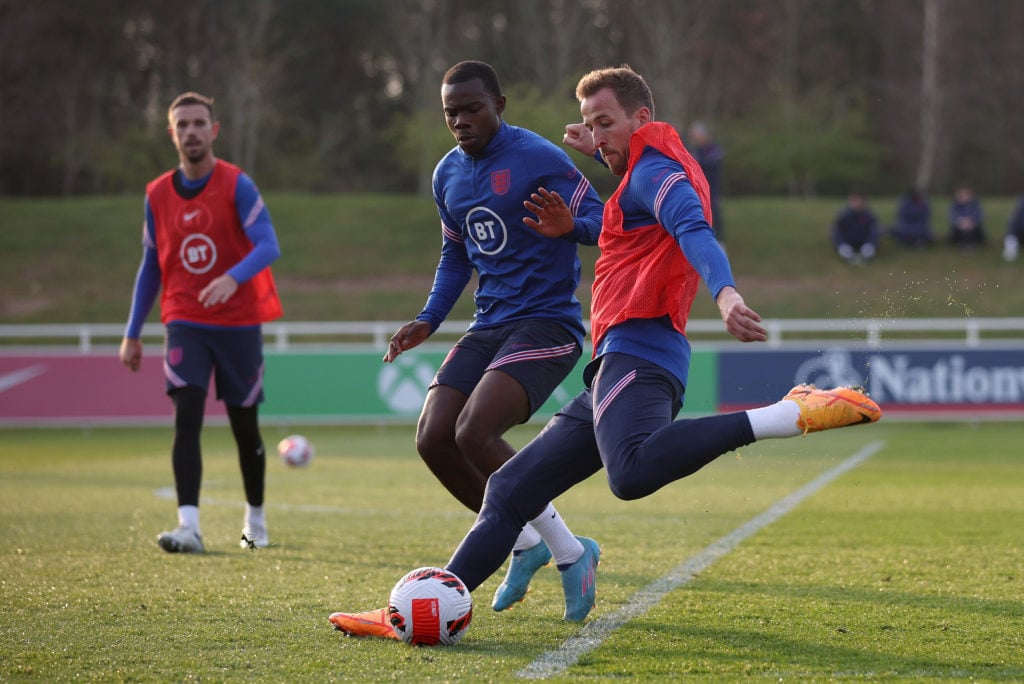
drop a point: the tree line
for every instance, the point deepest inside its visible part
(807, 96)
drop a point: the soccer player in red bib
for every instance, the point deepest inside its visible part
(656, 245)
(207, 246)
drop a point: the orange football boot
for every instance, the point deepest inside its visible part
(372, 623)
(834, 408)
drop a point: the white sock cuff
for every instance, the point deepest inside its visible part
(255, 515)
(564, 547)
(777, 420)
(527, 539)
(188, 516)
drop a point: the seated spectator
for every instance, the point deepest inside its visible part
(966, 221)
(1014, 232)
(913, 220)
(855, 230)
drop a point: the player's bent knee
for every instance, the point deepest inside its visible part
(500, 487)
(628, 487)
(472, 440)
(433, 445)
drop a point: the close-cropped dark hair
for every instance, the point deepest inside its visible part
(468, 70)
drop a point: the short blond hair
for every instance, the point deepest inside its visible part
(630, 88)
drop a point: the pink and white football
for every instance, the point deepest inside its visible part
(295, 451)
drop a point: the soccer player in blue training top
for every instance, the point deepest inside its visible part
(208, 244)
(656, 245)
(527, 332)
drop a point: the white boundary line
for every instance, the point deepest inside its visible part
(553, 663)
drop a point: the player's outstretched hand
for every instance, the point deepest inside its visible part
(742, 322)
(410, 335)
(578, 137)
(553, 216)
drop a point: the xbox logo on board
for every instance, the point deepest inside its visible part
(402, 384)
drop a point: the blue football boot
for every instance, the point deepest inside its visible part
(520, 571)
(578, 582)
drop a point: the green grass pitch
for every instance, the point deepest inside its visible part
(908, 567)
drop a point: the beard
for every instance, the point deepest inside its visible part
(196, 154)
(615, 163)
(193, 151)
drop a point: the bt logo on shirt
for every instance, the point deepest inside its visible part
(486, 229)
(198, 253)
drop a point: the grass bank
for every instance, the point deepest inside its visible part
(372, 257)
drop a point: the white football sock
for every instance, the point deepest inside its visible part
(565, 548)
(527, 539)
(188, 516)
(777, 420)
(255, 516)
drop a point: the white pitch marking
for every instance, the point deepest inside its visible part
(553, 663)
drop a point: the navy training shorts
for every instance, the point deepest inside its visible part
(537, 353)
(234, 356)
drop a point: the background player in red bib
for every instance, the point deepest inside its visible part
(207, 246)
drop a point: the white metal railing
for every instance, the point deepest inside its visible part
(286, 335)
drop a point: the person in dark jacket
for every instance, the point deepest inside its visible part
(709, 155)
(913, 220)
(855, 230)
(966, 220)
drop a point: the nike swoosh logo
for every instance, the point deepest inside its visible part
(18, 377)
(191, 215)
